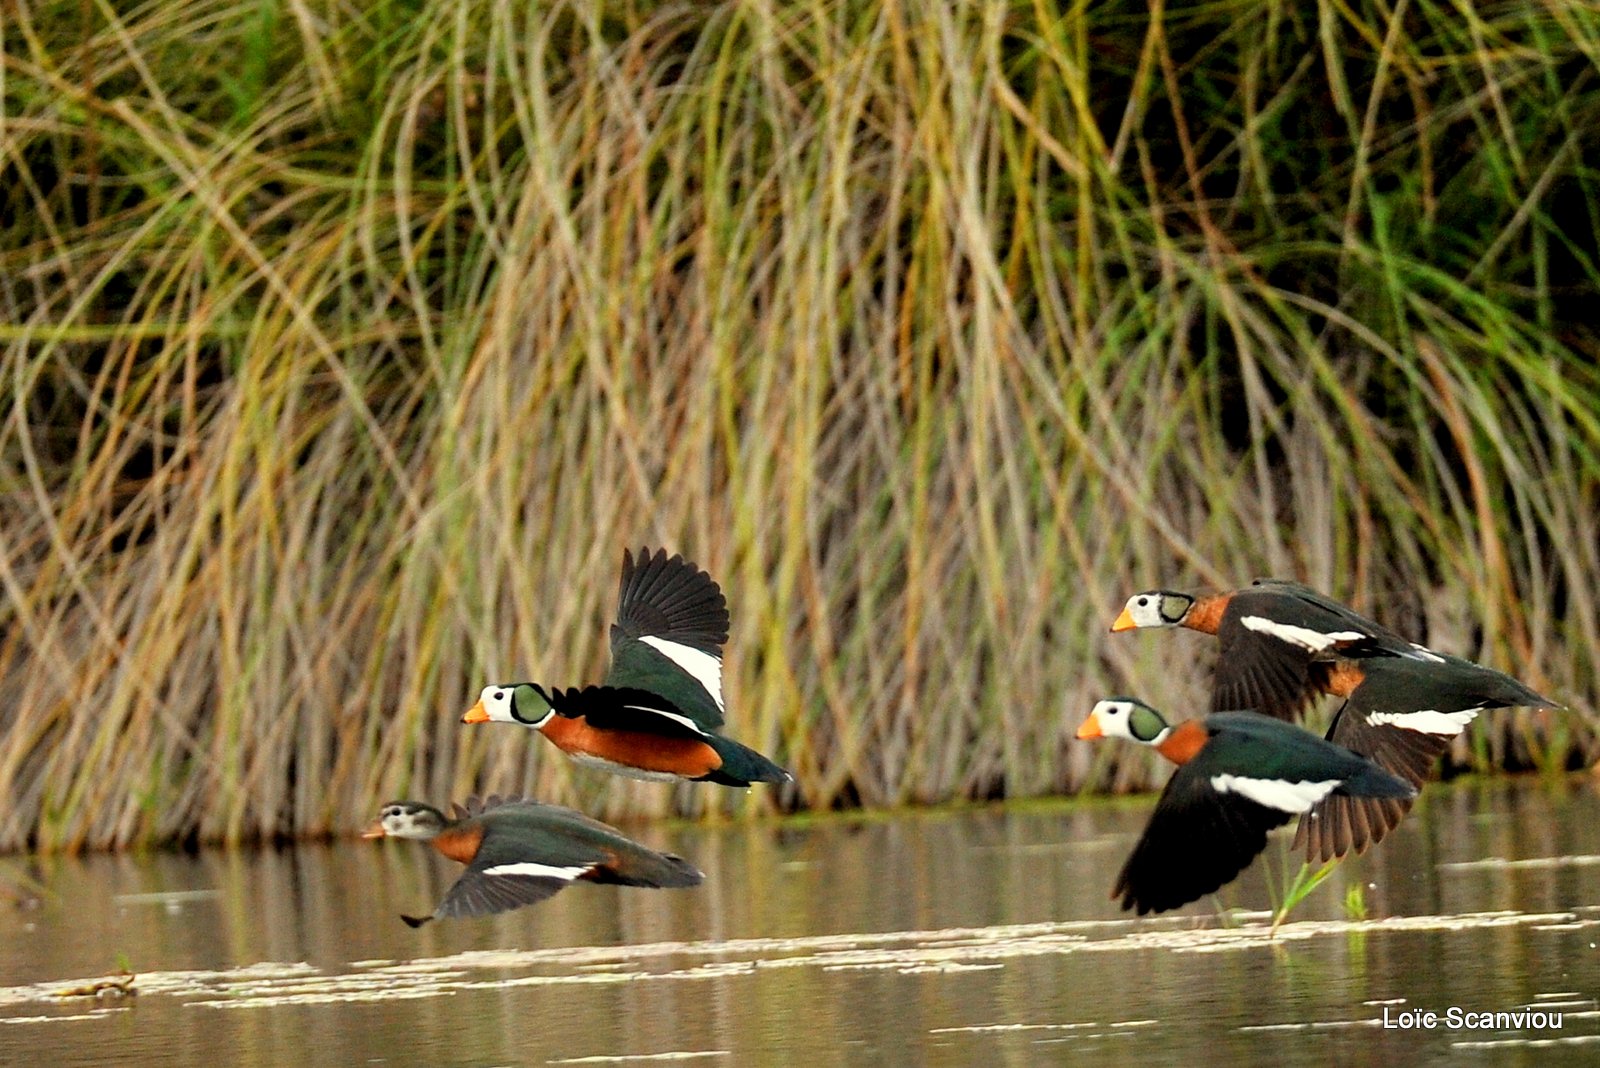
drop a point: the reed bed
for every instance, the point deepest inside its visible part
(345, 347)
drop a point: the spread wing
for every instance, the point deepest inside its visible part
(1275, 635)
(1252, 775)
(671, 599)
(672, 621)
(1261, 674)
(1197, 841)
(1402, 716)
(512, 870)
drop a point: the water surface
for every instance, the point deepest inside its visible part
(953, 937)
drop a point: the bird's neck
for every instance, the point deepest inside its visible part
(1205, 615)
(460, 842)
(1183, 741)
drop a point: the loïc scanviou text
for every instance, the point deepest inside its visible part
(1456, 1018)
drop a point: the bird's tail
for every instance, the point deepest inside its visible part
(742, 765)
(649, 868)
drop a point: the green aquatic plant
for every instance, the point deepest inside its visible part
(1290, 892)
(1355, 902)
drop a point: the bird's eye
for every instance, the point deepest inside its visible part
(499, 695)
(1143, 601)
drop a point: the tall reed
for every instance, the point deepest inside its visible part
(345, 348)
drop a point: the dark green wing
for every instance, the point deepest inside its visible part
(1449, 684)
(532, 851)
(1252, 775)
(1251, 746)
(1270, 677)
(520, 862)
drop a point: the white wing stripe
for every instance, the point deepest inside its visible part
(685, 720)
(1426, 721)
(542, 871)
(1303, 637)
(701, 666)
(1281, 794)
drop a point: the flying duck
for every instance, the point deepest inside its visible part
(1402, 714)
(656, 714)
(1276, 639)
(519, 852)
(1239, 775)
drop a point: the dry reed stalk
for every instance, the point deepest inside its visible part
(336, 379)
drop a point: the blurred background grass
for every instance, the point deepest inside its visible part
(346, 346)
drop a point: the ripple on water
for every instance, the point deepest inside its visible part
(950, 950)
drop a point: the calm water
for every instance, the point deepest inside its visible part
(975, 937)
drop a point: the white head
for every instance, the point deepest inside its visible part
(510, 702)
(1154, 608)
(407, 819)
(1125, 717)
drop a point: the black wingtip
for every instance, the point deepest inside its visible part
(415, 921)
(670, 597)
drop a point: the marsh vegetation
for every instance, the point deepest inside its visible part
(344, 347)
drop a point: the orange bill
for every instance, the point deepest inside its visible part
(374, 830)
(1124, 621)
(476, 714)
(1090, 727)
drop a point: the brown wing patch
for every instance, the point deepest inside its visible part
(460, 843)
(1338, 825)
(1339, 679)
(635, 749)
(603, 868)
(639, 866)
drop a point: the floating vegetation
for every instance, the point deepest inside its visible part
(980, 1029)
(1355, 902)
(632, 1058)
(97, 1014)
(166, 897)
(904, 952)
(118, 986)
(1529, 1043)
(1501, 863)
